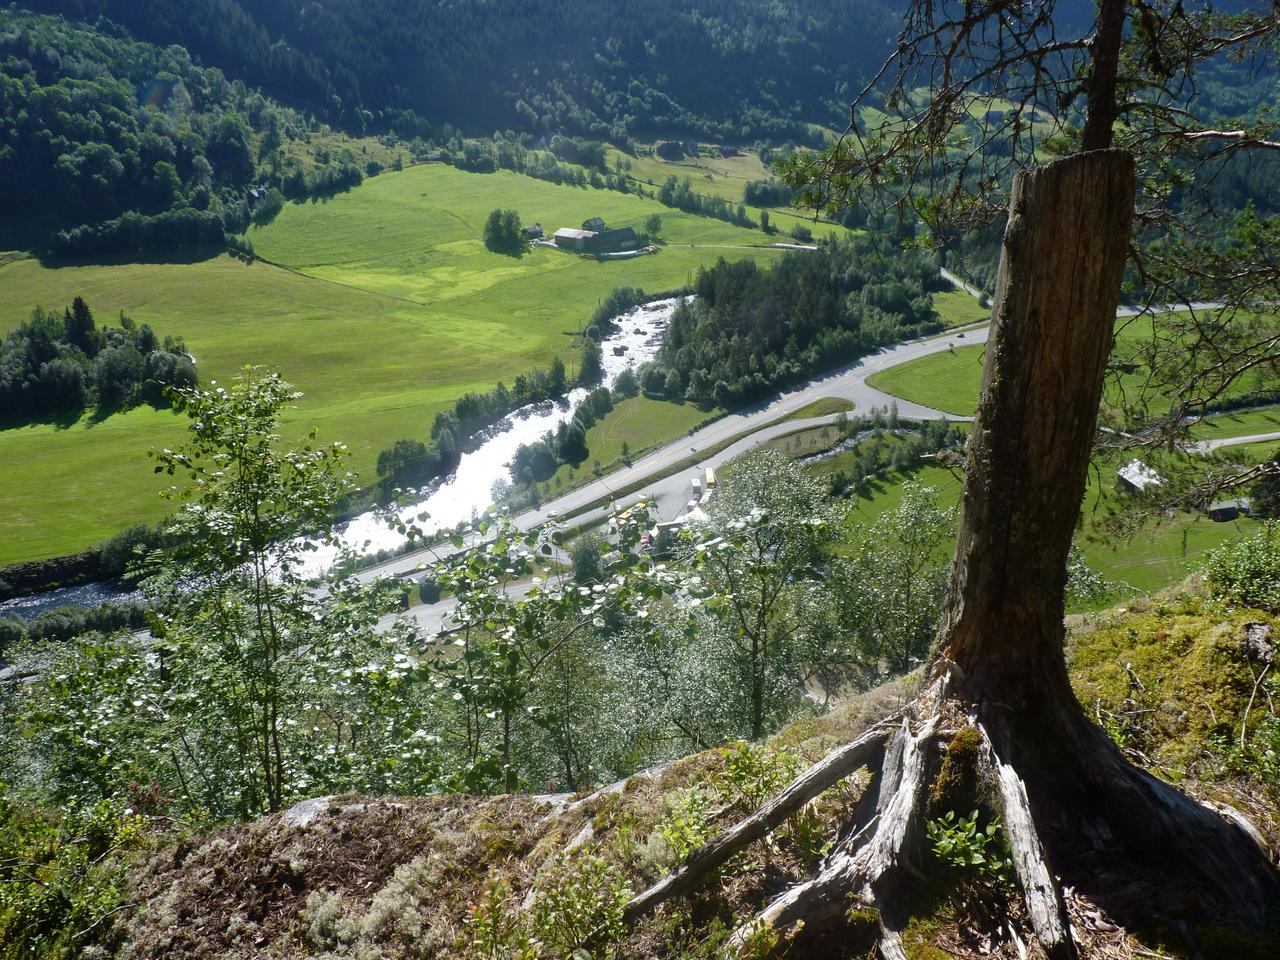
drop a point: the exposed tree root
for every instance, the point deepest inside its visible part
(825, 773)
(1040, 891)
(880, 858)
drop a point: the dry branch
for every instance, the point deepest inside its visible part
(824, 897)
(818, 778)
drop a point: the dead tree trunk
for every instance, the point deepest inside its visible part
(1000, 664)
(1053, 321)
(1000, 643)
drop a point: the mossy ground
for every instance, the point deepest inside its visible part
(403, 877)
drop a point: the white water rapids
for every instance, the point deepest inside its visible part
(467, 492)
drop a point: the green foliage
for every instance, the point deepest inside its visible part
(586, 71)
(495, 927)
(502, 232)
(1246, 573)
(961, 844)
(754, 774)
(136, 144)
(892, 580)
(580, 902)
(61, 876)
(57, 365)
(1085, 586)
(577, 912)
(258, 688)
(686, 825)
(751, 331)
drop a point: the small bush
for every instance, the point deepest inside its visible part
(62, 877)
(962, 845)
(1246, 573)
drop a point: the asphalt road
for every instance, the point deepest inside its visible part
(752, 425)
(673, 491)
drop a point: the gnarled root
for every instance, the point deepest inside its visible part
(874, 866)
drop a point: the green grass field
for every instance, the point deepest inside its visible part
(642, 424)
(1243, 423)
(950, 381)
(1154, 558)
(382, 305)
(822, 407)
(725, 177)
(956, 308)
(945, 381)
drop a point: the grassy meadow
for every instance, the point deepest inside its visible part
(725, 177)
(639, 422)
(950, 381)
(381, 304)
(957, 308)
(1154, 558)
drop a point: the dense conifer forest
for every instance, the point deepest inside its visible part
(724, 69)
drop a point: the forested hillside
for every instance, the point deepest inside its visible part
(113, 145)
(724, 69)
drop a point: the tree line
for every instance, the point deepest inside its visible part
(118, 146)
(62, 363)
(749, 331)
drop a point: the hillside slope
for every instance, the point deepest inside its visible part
(726, 69)
(1172, 680)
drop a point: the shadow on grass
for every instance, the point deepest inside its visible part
(59, 420)
(89, 416)
(175, 255)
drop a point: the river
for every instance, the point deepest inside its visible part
(468, 491)
(465, 493)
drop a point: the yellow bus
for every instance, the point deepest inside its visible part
(710, 479)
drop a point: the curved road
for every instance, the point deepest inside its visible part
(672, 492)
(752, 426)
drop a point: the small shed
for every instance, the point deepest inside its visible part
(566, 238)
(532, 232)
(595, 224)
(1220, 511)
(257, 194)
(1136, 476)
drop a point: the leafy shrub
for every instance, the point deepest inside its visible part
(959, 843)
(580, 900)
(687, 824)
(61, 876)
(1246, 573)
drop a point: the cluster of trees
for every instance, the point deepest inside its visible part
(890, 445)
(259, 689)
(502, 232)
(535, 66)
(66, 623)
(412, 463)
(535, 462)
(680, 194)
(115, 146)
(750, 331)
(584, 160)
(60, 363)
(767, 193)
(324, 181)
